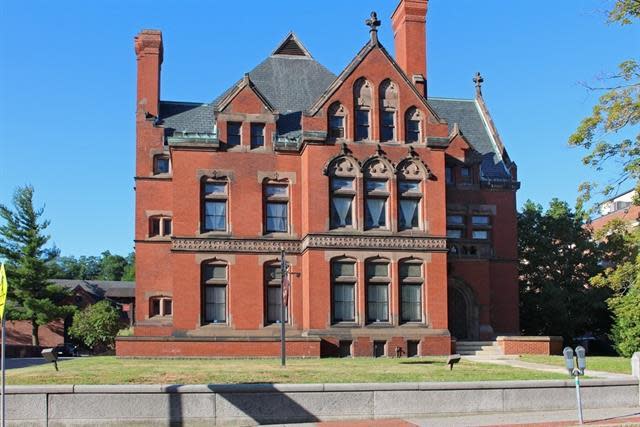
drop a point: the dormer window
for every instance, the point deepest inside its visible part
(234, 131)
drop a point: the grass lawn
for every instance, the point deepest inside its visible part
(620, 365)
(110, 370)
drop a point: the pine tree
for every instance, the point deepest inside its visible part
(28, 261)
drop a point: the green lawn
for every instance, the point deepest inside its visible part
(110, 370)
(620, 365)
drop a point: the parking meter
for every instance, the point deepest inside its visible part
(568, 359)
(582, 359)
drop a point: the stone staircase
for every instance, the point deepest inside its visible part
(488, 349)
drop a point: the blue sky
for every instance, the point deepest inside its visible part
(67, 85)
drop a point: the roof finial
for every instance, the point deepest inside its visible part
(373, 24)
(478, 80)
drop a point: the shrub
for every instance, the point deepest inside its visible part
(97, 326)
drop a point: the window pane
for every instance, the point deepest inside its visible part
(410, 270)
(387, 129)
(155, 307)
(455, 219)
(257, 135)
(215, 304)
(408, 214)
(276, 217)
(274, 273)
(276, 190)
(215, 188)
(212, 271)
(341, 211)
(154, 229)
(376, 185)
(411, 303)
(409, 186)
(161, 165)
(377, 303)
(454, 233)
(274, 304)
(480, 220)
(465, 172)
(449, 175)
(341, 184)
(168, 307)
(344, 269)
(336, 123)
(480, 234)
(344, 302)
(376, 213)
(215, 215)
(375, 269)
(233, 133)
(167, 227)
(362, 125)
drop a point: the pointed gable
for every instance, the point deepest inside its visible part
(291, 46)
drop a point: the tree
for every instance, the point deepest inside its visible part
(557, 259)
(97, 325)
(615, 114)
(622, 277)
(112, 267)
(130, 270)
(29, 263)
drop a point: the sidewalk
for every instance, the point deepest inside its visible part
(592, 417)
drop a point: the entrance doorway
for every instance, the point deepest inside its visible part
(463, 312)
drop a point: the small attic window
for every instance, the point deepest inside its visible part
(291, 47)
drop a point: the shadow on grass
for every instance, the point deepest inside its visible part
(421, 362)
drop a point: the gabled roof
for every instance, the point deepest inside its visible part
(291, 46)
(244, 83)
(466, 112)
(100, 288)
(186, 117)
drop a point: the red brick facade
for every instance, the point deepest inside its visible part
(365, 185)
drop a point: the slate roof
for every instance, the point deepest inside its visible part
(186, 116)
(467, 114)
(101, 288)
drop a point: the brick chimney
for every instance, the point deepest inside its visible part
(148, 46)
(410, 35)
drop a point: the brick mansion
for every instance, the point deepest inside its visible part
(396, 210)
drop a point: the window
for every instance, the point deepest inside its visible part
(257, 135)
(214, 284)
(160, 306)
(234, 131)
(377, 193)
(273, 293)
(362, 102)
(411, 281)
(159, 226)
(455, 220)
(409, 195)
(342, 196)
(465, 175)
(454, 233)
(214, 209)
(448, 171)
(336, 121)
(160, 164)
(455, 226)
(480, 220)
(377, 291)
(388, 126)
(412, 125)
(276, 204)
(343, 276)
(480, 234)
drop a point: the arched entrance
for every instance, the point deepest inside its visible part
(463, 311)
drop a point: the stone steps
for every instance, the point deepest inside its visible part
(487, 349)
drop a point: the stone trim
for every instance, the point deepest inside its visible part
(311, 241)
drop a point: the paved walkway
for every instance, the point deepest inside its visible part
(516, 363)
(592, 417)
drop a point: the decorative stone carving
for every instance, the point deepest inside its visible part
(343, 165)
(412, 169)
(362, 93)
(377, 167)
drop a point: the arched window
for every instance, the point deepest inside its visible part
(378, 280)
(337, 121)
(411, 175)
(160, 306)
(214, 292)
(388, 108)
(343, 290)
(342, 173)
(215, 193)
(411, 280)
(362, 101)
(377, 174)
(160, 226)
(273, 293)
(413, 126)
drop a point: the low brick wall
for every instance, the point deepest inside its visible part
(530, 345)
(254, 404)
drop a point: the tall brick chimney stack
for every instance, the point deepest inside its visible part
(410, 35)
(148, 46)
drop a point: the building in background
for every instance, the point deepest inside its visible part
(618, 207)
(397, 211)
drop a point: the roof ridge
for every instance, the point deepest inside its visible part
(440, 98)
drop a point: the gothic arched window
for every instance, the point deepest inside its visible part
(342, 173)
(337, 121)
(362, 101)
(413, 125)
(388, 108)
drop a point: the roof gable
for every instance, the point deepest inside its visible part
(291, 46)
(244, 84)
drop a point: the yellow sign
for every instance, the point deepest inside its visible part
(3, 290)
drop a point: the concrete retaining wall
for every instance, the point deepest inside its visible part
(248, 404)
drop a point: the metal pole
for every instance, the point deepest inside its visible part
(283, 354)
(3, 379)
(577, 377)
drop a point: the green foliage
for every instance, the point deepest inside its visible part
(622, 278)
(97, 325)
(557, 259)
(107, 266)
(29, 264)
(608, 133)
